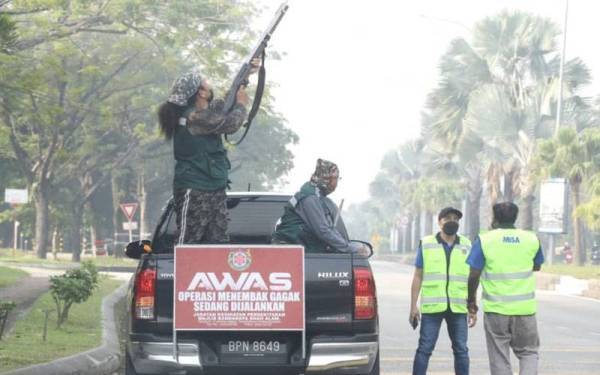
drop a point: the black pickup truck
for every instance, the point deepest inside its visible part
(342, 335)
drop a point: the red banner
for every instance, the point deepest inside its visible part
(238, 287)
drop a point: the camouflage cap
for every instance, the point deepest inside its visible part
(324, 172)
(184, 88)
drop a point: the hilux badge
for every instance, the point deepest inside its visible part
(239, 260)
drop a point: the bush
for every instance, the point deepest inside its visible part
(74, 286)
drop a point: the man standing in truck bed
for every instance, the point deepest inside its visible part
(309, 217)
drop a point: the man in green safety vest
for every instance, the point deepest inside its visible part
(441, 276)
(505, 259)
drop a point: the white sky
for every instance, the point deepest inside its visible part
(356, 73)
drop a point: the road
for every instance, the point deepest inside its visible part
(569, 330)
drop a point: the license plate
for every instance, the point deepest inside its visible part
(254, 352)
(253, 347)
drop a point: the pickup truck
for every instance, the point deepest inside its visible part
(341, 320)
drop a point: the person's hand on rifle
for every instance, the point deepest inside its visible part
(256, 63)
(242, 96)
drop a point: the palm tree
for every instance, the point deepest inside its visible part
(576, 156)
(496, 97)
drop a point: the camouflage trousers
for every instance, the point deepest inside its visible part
(202, 216)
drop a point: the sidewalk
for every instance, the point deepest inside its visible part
(24, 293)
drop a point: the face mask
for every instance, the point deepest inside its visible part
(450, 228)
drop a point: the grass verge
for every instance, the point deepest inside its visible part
(81, 332)
(9, 276)
(580, 272)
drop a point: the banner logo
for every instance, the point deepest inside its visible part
(239, 260)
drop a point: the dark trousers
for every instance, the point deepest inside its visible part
(430, 330)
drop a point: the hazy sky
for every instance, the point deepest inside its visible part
(356, 73)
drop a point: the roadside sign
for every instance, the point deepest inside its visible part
(129, 209)
(130, 225)
(553, 206)
(16, 196)
(238, 287)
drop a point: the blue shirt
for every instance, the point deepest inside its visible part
(477, 260)
(447, 249)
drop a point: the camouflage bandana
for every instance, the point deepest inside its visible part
(324, 172)
(184, 88)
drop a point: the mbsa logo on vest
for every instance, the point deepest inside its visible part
(510, 239)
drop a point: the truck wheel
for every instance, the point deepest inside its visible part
(375, 370)
(129, 369)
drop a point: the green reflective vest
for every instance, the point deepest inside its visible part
(507, 276)
(444, 283)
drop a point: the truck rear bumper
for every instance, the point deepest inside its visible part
(343, 358)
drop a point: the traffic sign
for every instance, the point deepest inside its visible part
(129, 209)
(130, 225)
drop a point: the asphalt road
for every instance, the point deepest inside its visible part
(569, 330)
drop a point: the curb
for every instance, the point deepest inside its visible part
(103, 360)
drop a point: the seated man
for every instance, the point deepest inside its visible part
(309, 217)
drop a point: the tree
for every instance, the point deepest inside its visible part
(88, 70)
(496, 98)
(574, 156)
(74, 286)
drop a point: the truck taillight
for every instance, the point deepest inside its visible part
(145, 288)
(365, 302)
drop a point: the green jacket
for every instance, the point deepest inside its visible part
(294, 227)
(201, 161)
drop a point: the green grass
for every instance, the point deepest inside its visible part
(28, 257)
(583, 272)
(9, 276)
(81, 332)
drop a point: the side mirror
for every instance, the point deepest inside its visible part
(135, 249)
(368, 246)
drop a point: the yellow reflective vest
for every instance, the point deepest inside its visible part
(507, 276)
(444, 283)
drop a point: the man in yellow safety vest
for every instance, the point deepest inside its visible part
(441, 278)
(505, 259)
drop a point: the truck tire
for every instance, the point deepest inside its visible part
(129, 369)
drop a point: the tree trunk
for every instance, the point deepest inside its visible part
(142, 197)
(40, 197)
(509, 180)
(527, 209)
(579, 253)
(474, 192)
(408, 234)
(76, 234)
(417, 236)
(428, 222)
(115, 217)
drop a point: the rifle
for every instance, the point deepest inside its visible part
(241, 79)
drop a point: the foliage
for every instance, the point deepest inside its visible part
(74, 286)
(80, 94)
(83, 331)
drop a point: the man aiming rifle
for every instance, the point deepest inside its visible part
(195, 122)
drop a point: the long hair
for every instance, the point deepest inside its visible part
(169, 114)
